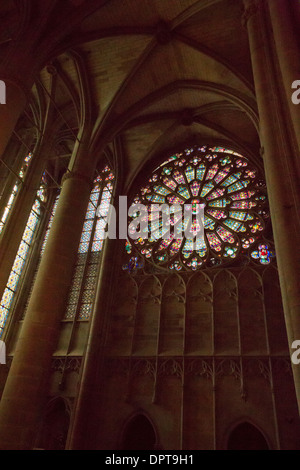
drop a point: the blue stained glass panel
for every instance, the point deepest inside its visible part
(231, 179)
(200, 171)
(237, 186)
(206, 189)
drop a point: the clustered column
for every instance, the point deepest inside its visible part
(279, 160)
(26, 386)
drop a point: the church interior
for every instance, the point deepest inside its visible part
(132, 335)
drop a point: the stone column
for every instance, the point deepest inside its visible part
(286, 38)
(279, 165)
(26, 388)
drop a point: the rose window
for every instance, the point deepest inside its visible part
(229, 190)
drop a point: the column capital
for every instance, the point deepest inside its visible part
(77, 175)
(250, 9)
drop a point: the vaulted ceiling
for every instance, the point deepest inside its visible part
(152, 75)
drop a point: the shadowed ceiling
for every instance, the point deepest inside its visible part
(151, 75)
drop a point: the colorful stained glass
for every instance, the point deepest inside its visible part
(209, 224)
(214, 180)
(175, 200)
(188, 248)
(222, 174)
(214, 241)
(156, 198)
(238, 215)
(219, 215)
(195, 188)
(230, 251)
(183, 191)
(233, 225)
(215, 194)
(175, 247)
(190, 174)
(225, 235)
(161, 190)
(263, 254)
(7, 298)
(15, 190)
(19, 262)
(212, 172)
(91, 244)
(232, 179)
(200, 172)
(206, 189)
(237, 186)
(243, 205)
(170, 183)
(219, 203)
(18, 265)
(178, 176)
(242, 195)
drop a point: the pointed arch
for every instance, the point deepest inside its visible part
(55, 425)
(139, 433)
(246, 436)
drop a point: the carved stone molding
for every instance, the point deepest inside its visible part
(66, 364)
(257, 367)
(228, 367)
(200, 367)
(171, 367)
(143, 367)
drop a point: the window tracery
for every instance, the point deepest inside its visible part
(233, 195)
(82, 292)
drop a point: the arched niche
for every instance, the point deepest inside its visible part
(199, 316)
(139, 434)
(55, 425)
(226, 327)
(145, 337)
(122, 317)
(276, 326)
(246, 436)
(253, 335)
(172, 319)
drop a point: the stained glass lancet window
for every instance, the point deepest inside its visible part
(82, 291)
(21, 257)
(233, 195)
(53, 206)
(14, 192)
